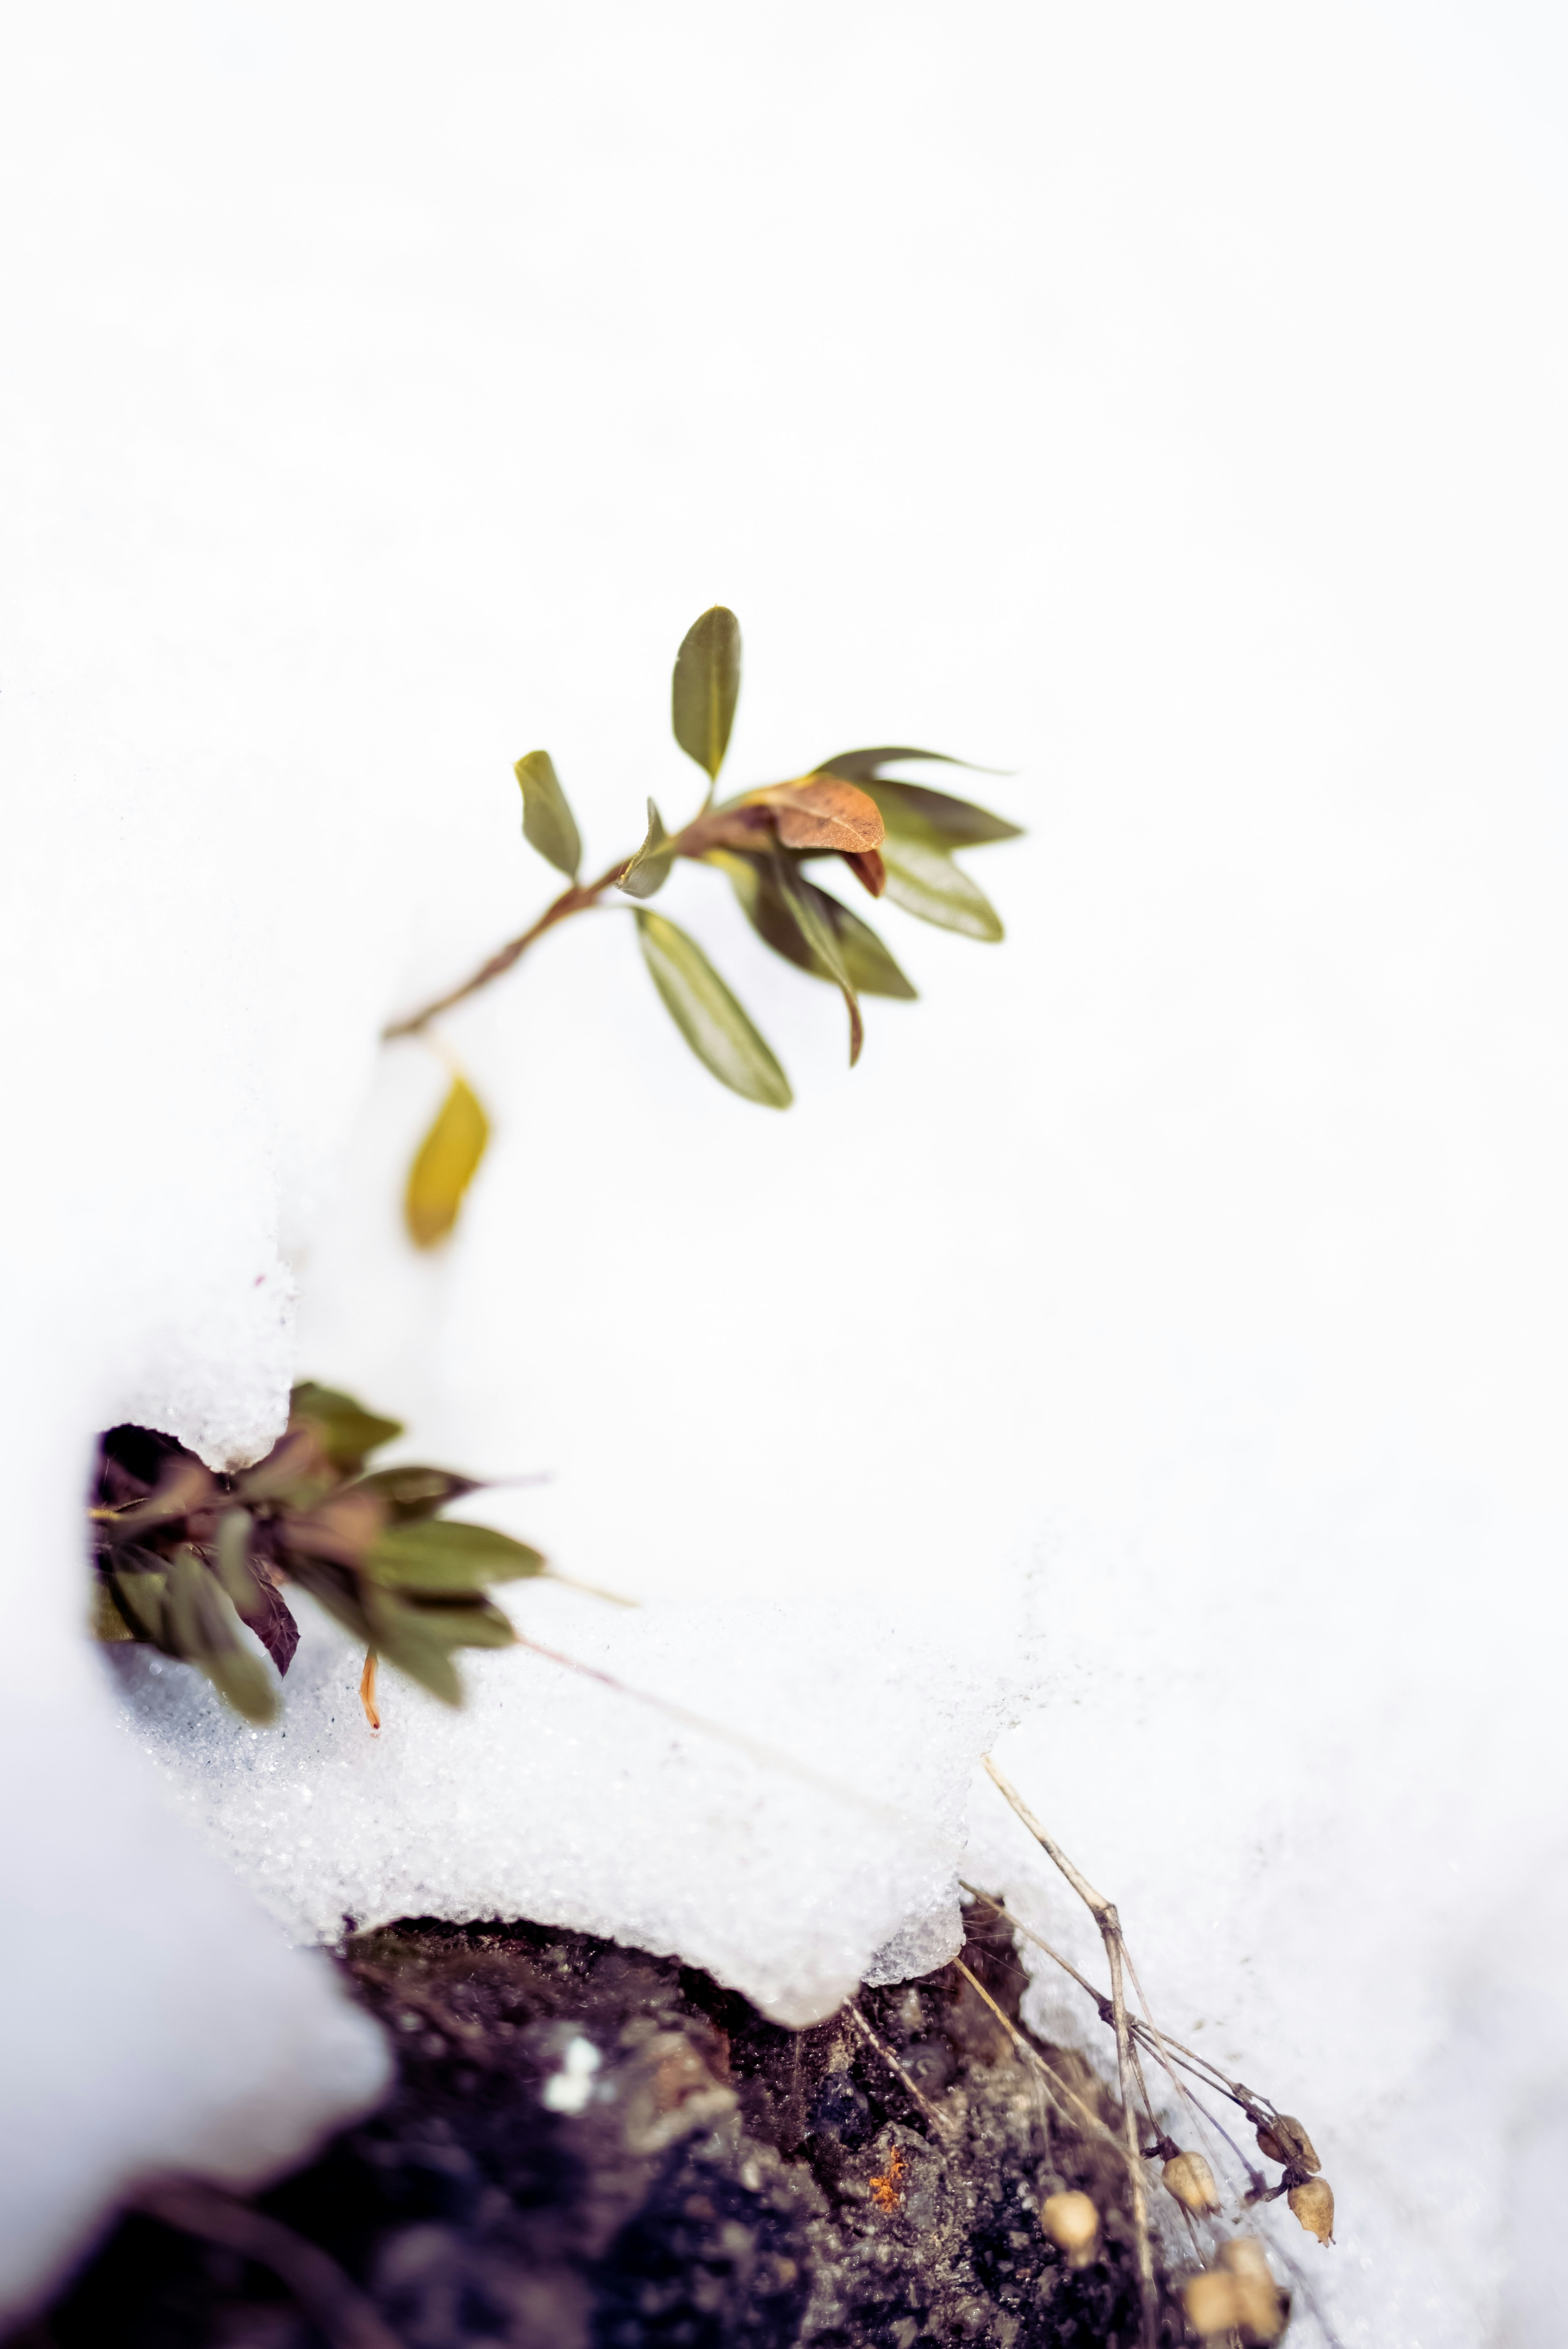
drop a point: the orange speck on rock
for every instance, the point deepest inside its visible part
(885, 2190)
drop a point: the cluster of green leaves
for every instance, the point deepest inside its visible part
(897, 838)
(187, 1560)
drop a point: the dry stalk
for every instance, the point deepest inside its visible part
(1056, 2089)
(1103, 1912)
(939, 2120)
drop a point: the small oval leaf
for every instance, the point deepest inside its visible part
(446, 1163)
(420, 1638)
(435, 1556)
(344, 1430)
(822, 812)
(820, 935)
(870, 965)
(414, 1492)
(709, 1016)
(547, 821)
(910, 812)
(203, 1627)
(648, 871)
(705, 687)
(926, 883)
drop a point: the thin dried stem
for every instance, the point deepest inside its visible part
(1170, 2050)
(367, 1689)
(1104, 1914)
(939, 2120)
(339, 2309)
(574, 900)
(1056, 2088)
(1257, 2108)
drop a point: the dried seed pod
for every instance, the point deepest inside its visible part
(1313, 2204)
(1211, 2303)
(1072, 2222)
(1188, 2177)
(1260, 2311)
(1284, 2139)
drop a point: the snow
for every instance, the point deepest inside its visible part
(801, 1810)
(1165, 405)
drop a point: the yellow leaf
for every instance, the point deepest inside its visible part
(446, 1164)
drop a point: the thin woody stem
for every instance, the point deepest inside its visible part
(1111, 1929)
(574, 900)
(939, 2121)
(1104, 1914)
(1056, 2088)
(1198, 2066)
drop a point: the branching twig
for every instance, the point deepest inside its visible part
(1258, 2109)
(575, 900)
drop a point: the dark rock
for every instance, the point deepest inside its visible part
(588, 2148)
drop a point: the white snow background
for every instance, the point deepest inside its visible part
(1158, 1341)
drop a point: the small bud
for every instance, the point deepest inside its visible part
(1260, 2311)
(1188, 2177)
(1072, 2222)
(1284, 2139)
(1211, 2303)
(1314, 2206)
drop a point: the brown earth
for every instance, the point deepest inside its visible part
(720, 2184)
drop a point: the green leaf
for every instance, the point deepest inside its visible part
(411, 1492)
(911, 808)
(344, 1428)
(864, 957)
(437, 1556)
(203, 1626)
(336, 1587)
(926, 883)
(818, 934)
(910, 812)
(230, 1556)
(139, 1595)
(444, 1164)
(547, 821)
(419, 1640)
(648, 871)
(709, 1016)
(105, 1620)
(705, 687)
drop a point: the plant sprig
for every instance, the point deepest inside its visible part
(188, 1561)
(897, 838)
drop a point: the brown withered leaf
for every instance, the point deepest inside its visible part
(821, 812)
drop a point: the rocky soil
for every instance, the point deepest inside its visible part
(588, 2148)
